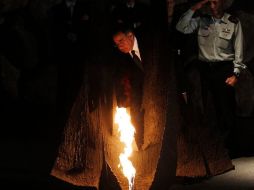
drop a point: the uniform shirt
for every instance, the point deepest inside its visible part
(218, 39)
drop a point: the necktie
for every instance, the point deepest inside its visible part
(137, 60)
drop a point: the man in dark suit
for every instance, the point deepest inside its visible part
(148, 91)
(129, 72)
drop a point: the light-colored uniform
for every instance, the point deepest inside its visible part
(218, 39)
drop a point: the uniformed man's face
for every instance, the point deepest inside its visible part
(216, 6)
(124, 41)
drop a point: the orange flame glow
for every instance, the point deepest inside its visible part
(126, 130)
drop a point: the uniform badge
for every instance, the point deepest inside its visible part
(226, 30)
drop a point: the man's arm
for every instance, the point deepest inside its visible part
(238, 61)
(187, 24)
(238, 46)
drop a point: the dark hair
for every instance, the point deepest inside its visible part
(120, 28)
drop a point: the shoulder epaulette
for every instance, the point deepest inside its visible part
(233, 19)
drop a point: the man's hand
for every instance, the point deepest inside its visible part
(231, 80)
(199, 5)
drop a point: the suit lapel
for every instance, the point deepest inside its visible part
(142, 50)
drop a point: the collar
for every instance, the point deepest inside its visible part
(135, 48)
(135, 45)
(223, 19)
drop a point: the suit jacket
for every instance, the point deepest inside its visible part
(129, 84)
(129, 78)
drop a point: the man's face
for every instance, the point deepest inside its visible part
(216, 6)
(124, 41)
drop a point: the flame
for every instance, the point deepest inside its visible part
(126, 130)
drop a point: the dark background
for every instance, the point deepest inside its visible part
(29, 136)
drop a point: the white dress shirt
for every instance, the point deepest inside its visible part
(135, 48)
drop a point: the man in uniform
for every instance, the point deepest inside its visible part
(220, 42)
